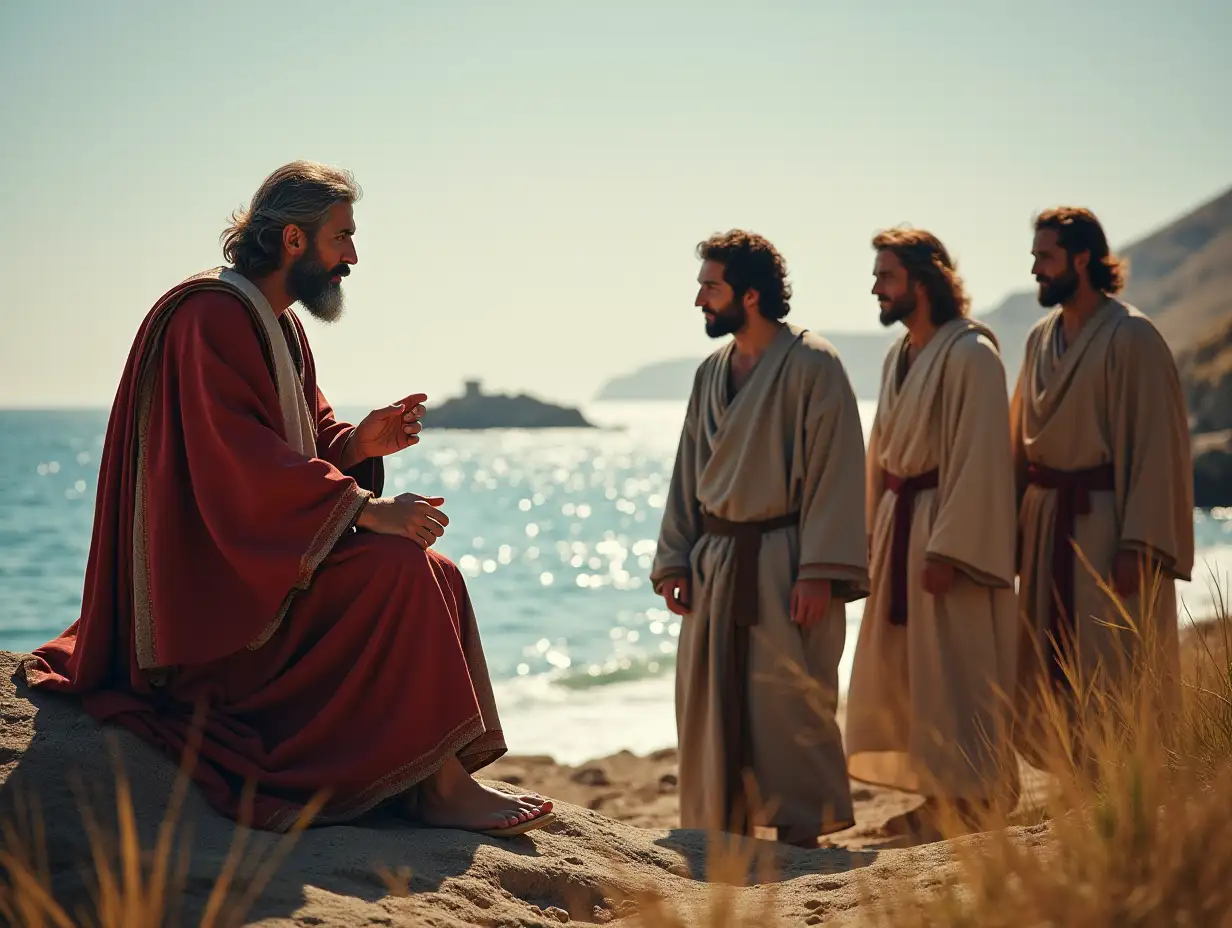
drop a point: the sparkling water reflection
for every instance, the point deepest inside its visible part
(555, 532)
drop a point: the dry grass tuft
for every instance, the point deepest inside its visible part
(1141, 766)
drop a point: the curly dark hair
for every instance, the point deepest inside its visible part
(301, 194)
(929, 264)
(1077, 231)
(750, 262)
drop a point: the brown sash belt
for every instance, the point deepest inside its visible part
(745, 602)
(904, 490)
(745, 609)
(1073, 488)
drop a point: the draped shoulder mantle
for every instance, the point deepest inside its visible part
(726, 420)
(907, 400)
(298, 423)
(1051, 370)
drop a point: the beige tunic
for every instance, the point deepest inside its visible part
(928, 698)
(789, 441)
(1112, 397)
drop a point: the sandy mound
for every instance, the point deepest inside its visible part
(579, 870)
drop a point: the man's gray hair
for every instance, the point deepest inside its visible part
(301, 194)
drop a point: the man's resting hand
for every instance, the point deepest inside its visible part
(676, 593)
(407, 514)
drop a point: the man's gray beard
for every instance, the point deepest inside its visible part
(328, 305)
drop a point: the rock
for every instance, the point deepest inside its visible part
(478, 410)
(592, 776)
(1206, 377)
(1213, 469)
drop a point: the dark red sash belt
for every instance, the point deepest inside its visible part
(1073, 488)
(745, 609)
(904, 490)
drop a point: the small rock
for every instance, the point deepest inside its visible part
(601, 915)
(668, 783)
(813, 920)
(576, 861)
(557, 913)
(1212, 464)
(591, 776)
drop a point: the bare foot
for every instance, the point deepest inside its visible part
(451, 798)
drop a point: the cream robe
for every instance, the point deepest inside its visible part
(789, 441)
(1112, 397)
(927, 707)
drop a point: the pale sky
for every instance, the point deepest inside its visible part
(537, 175)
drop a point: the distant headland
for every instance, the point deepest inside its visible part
(475, 409)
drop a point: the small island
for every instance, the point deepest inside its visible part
(475, 409)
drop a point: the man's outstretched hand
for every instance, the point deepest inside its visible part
(410, 515)
(387, 430)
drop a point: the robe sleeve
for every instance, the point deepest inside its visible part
(260, 516)
(682, 520)
(975, 526)
(1017, 447)
(333, 436)
(1152, 453)
(833, 535)
(874, 481)
(874, 474)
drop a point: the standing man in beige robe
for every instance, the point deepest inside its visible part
(762, 545)
(1102, 456)
(935, 660)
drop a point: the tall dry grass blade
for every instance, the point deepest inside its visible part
(35, 902)
(281, 849)
(222, 884)
(158, 896)
(106, 891)
(132, 892)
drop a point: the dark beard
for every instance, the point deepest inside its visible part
(308, 282)
(1055, 290)
(727, 321)
(899, 309)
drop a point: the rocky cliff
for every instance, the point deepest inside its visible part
(1206, 375)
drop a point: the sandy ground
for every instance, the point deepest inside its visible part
(615, 838)
(641, 791)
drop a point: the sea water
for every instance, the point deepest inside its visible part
(555, 531)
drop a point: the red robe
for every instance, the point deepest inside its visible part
(326, 657)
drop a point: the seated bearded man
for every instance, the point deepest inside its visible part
(245, 564)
